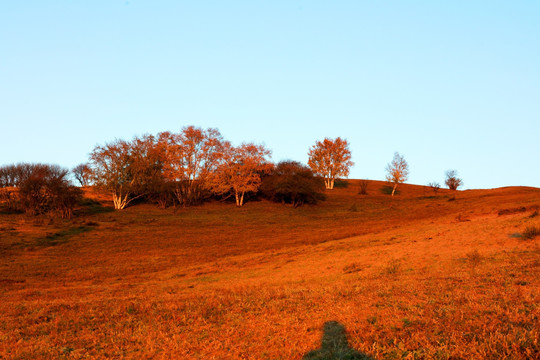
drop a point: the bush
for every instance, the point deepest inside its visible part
(9, 198)
(435, 186)
(452, 181)
(43, 188)
(292, 183)
(531, 232)
(363, 187)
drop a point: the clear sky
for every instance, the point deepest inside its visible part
(447, 84)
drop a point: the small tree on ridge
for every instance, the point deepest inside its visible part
(397, 171)
(452, 181)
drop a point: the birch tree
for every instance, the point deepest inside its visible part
(190, 157)
(330, 159)
(125, 169)
(397, 171)
(240, 170)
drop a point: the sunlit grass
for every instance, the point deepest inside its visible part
(402, 276)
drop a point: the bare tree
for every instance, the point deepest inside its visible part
(397, 171)
(240, 170)
(82, 174)
(435, 186)
(330, 159)
(452, 181)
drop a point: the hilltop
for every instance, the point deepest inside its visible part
(423, 274)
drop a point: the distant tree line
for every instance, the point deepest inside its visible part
(185, 169)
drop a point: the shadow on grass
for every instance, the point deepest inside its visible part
(387, 190)
(92, 207)
(62, 236)
(341, 184)
(335, 345)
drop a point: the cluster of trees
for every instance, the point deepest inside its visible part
(188, 167)
(184, 169)
(38, 189)
(176, 168)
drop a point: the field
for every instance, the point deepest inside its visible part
(423, 275)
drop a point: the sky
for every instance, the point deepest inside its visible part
(447, 84)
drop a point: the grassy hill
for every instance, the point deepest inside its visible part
(421, 275)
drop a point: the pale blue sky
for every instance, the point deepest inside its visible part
(448, 84)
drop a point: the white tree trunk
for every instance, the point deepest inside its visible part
(327, 183)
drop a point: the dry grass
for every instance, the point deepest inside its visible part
(403, 276)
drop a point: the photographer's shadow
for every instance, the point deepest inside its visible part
(335, 345)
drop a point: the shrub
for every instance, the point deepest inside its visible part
(452, 181)
(44, 188)
(530, 232)
(474, 259)
(363, 187)
(292, 183)
(512, 211)
(435, 186)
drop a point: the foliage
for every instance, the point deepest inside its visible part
(42, 188)
(113, 171)
(9, 198)
(128, 170)
(190, 158)
(397, 171)
(330, 159)
(452, 181)
(240, 170)
(293, 183)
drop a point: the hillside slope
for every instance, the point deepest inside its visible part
(421, 275)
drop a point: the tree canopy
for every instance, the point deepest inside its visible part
(330, 159)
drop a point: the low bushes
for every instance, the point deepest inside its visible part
(40, 189)
(292, 183)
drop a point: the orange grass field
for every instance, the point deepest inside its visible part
(417, 276)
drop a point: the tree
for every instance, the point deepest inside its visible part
(330, 159)
(128, 170)
(397, 171)
(45, 188)
(435, 186)
(240, 170)
(293, 183)
(9, 175)
(113, 171)
(82, 174)
(452, 181)
(190, 157)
